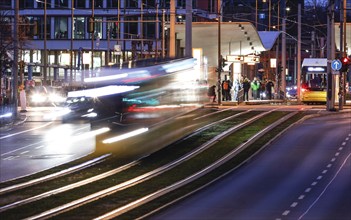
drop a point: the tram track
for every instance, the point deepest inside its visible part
(126, 182)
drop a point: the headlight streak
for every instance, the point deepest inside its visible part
(102, 91)
(125, 136)
(6, 115)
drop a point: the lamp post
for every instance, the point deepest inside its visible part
(92, 35)
(219, 66)
(71, 51)
(45, 48)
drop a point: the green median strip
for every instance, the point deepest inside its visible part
(180, 172)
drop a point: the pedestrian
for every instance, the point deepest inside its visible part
(246, 87)
(255, 86)
(226, 86)
(269, 86)
(212, 93)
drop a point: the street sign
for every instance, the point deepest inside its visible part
(336, 65)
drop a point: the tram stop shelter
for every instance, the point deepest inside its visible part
(237, 38)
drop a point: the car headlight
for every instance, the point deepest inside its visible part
(38, 98)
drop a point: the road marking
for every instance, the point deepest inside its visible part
(329, 165)
(337, 154)
(9, 158)
(327, 186)
(301, 197)
(41, 146)
(333, 159)
(319, 177)
(308, 190)
(294, 204)
(24, 152)
(343, 143)
(21, 132)
(325, 171)
(314, 183)
(286, 212)
(340, 148)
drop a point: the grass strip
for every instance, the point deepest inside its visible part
(208, 178)
(178, 173)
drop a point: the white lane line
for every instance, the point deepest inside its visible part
(21, 132)
(308, 190)
(41, 146)
(337, 154)
(329, 165)
(325, 171)
(24, 152)
(9, 158)
(327, 186)
(343, 143)
(314, 183)
(294, 204)
(333, 159)
(319, 177)
(340, 148)
(301, 197)
(285, 213)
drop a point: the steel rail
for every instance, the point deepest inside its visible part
(193, 177)
(148, 175)
(54, 175)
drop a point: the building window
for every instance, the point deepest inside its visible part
(98, 4)
(98, 28)
(79, 28)
(41, 27)
(112, 4)
(131, 4)
(5, 4)
(131, 29)
(112, 27)
(149, 28)
(61, 28)
(26, 4)
(61, 3)
(79, 3)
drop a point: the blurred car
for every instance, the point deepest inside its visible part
(44, 96)
(291, 92)
(79, 108)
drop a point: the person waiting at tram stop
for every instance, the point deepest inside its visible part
(255, 87)
(246, 87)
(226, 86)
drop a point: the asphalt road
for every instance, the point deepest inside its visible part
(39, 144)
(304, 174)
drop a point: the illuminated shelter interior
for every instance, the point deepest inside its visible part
(237, 38)
(348, 37)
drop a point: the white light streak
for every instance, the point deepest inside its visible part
(125, 136)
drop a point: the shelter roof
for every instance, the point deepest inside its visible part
(237, 38)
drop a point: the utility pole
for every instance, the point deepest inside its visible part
(188, 29)
(219, 66)
(45, 56)
(330, 57)
(283, 75)
(92, 35)
(72, 34)
(172, 29)
(298, 83)
(15, 62)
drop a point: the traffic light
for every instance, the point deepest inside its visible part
(345, 64)
(223, 61)
(91, 25)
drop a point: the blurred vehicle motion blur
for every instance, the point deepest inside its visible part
(138, 95)
(291, 92)
(44, 96)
